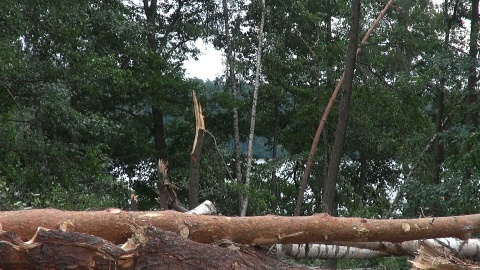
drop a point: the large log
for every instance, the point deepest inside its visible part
(149, 248)
(116, 226)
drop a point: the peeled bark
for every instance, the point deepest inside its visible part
(117, 226)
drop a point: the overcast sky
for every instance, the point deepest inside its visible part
(209, 64)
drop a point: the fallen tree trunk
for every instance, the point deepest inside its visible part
(366, 250)
(150, 248)
(117, 226)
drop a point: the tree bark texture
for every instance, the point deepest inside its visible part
(117, 226)
(149, 248)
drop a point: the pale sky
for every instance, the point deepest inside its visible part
(209, 64)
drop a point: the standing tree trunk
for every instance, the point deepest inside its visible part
(273, 187)
(232, 85)
(437, 144)
(258, 67)
(472, 117)
(328, 197)
(158, 128)
(329, 190)
(329, 84)
(313, 148)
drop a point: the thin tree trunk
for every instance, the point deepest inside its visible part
(159, 132)
(251, 134)
(273, 187)
(472, 117)
(74, 138)
(329, 85)
(232, 85)
(39, 130)
(330, 263)
(438, 147)
(363, 175)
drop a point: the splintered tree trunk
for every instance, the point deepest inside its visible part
(195, 155)
(244, 202)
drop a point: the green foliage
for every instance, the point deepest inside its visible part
(78, 81)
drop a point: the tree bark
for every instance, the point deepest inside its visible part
(258, 67)
(117, 226)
